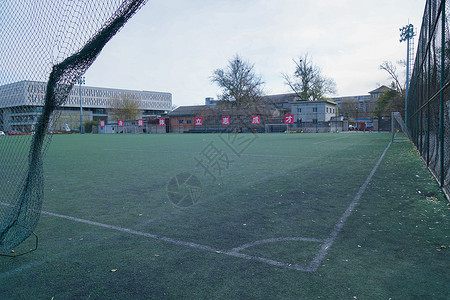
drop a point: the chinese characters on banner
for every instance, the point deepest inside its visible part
(256, 120)
(214, 159)
(120, 123)
(162, 122)
(102, 123)
(225, 120)
(140, 122)
(288, 119)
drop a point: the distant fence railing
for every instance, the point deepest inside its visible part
(428, 115)
(313, 127)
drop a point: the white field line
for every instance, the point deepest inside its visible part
(338, 227)
(276, 240)
(327, 243)
(190, 244)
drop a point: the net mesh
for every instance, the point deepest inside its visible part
(398, 128)
(45, 46)
(429, 91)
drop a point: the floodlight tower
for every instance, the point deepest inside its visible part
(406, 34)
(80, 82)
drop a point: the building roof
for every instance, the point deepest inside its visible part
(380, 90)
(32, 93)
(188, 110)
(281, 98)
(358, 98)
(312, 102)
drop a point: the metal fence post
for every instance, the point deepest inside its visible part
(441, 102)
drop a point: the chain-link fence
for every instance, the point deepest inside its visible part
(428, 96)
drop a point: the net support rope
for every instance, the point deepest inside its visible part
(21, 215)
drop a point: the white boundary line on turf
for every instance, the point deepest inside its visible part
(233, 252)
(327, 243)
(338, 227)
(276, 240)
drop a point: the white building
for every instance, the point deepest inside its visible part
(364, 105)
(21, 104)
(313, 111)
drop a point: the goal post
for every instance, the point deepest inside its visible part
(398, 128)
(278, 127)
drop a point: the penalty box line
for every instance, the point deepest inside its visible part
(234, 252)
(338, 227)
(327, 243)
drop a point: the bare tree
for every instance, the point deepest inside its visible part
(126, 107)
(350, 108)
(307, 82)
(390, 101)
(394, 98)
(391, 69)
(238, 81)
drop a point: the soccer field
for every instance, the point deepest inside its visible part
(222, 216)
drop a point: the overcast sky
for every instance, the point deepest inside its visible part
(175, 45)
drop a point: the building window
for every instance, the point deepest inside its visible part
(299, 110)
(188, 121)
(180, 121)
(314, 109)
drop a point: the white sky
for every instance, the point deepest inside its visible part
(175, 45)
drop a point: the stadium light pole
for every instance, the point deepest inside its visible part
(80, 82)
(407, 33)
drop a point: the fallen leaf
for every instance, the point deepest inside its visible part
(113, 270)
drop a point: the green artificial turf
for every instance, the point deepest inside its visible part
(129, 240)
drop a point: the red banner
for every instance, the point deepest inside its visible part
(256, 120)
(162, 122)
(140, 122)
(102, 123)
(198, 121)
(288, 119)
(225, 120)
(120, 123)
